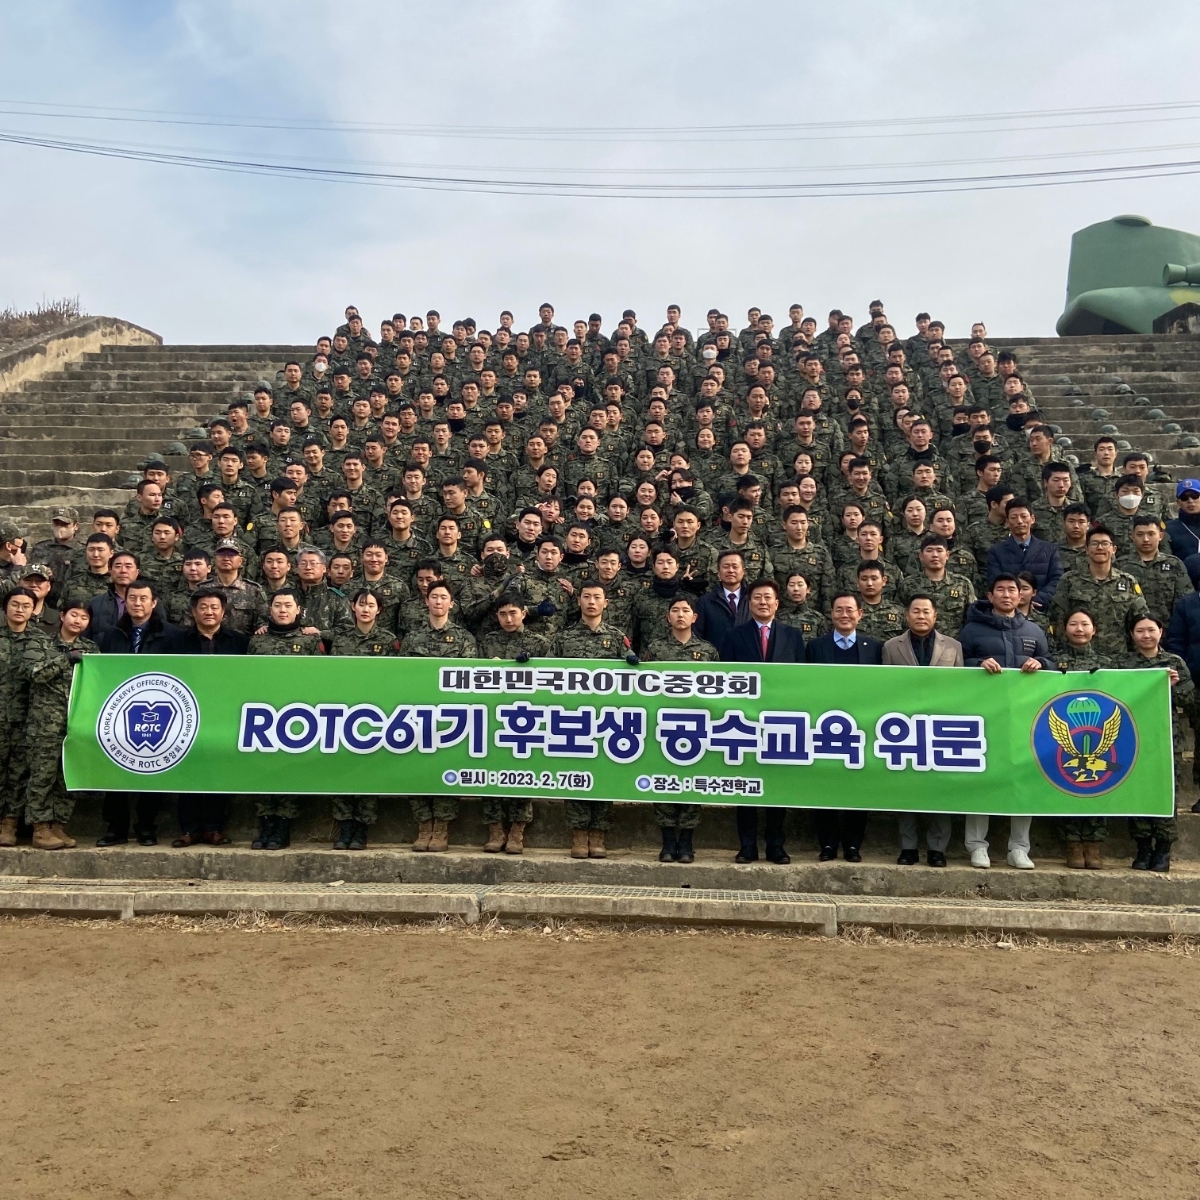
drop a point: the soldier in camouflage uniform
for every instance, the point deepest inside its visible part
(367, 639)
(286, 633)
(952, 594)
(438, 637)
(1155, 835)
(245, 602)
(23, 650)
(679, 821)
(1108, 594)
(507, 816)
(593, 637)
(1162, 577)
(796, 611)
(797, 553)
(89, 576)
(1083, 835)
(47, 801)
(879, 616)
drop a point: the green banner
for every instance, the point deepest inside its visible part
(890, 738)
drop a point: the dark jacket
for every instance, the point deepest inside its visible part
(1183, 633)
(742, 643)
(1007, 558)
(1184, 538)
(713, 618)
(1009, 640)
(104, 613)
(824, 649)
(224, 641)
(118, 639)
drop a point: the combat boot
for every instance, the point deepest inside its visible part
(670, 846)
(281, 834)
(596, 844)
(1160, 860)
(579, 843)
(516, 838)
(1145, 847)
(439, 840)
(1075, 859)
(1091, 856)
(424, 833)
(358, 837)
(495, 842)
(8, 831)
(266, 827)
(345, 833)
(44, 837)
(686, 853)
(63, 836)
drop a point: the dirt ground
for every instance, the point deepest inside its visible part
(170, 1059)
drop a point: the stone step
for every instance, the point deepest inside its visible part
(60, 387)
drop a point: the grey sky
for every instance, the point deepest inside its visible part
(204, 257)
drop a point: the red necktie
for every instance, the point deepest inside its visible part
(764, 636)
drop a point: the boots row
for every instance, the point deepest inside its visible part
(47, 835)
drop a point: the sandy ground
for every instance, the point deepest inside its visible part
(151, 1060)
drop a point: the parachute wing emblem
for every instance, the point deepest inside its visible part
(1062, 734)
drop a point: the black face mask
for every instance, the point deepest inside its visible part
(457, 425)
(982, 447)
(685, 493)
(1015, 421)
(853, 405)
(959, 430)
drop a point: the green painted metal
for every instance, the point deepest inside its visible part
(1128, 275)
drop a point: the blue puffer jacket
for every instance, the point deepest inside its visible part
(1183, 633)
(1009, 640)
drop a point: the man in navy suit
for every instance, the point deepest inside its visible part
(844, 645)
(1021, 551)
(762, 639)
(727, 604)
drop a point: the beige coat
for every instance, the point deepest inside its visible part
(898, 652)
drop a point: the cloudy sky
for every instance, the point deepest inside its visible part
(519, 90)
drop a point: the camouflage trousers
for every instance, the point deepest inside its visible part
(504, 810)
(46, 796)
(1161, 829)
(677, 816)
(287, 807)
(589, 814)
(434, 808)
(356, 808)
(1084, 829)
(13, 770)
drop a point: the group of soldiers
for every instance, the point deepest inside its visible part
(569, 492)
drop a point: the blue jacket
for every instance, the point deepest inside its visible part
(1008, 558)
(714, 621)
(1009, 640)
(1183, 633)
(1184, 538)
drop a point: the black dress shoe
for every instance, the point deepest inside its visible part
(1196, 807)
(779, 857)
(908, 858)
(746, 856)
(147, 839)
(828, 854)
(112, 839)
(935, 858)
(852, 854)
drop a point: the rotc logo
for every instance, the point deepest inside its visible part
(148, 724)
(1085, 743)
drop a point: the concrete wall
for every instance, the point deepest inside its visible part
(40, 356)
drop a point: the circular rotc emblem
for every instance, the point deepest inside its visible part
(1085, 743)
(148, 724)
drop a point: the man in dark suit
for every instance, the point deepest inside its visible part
(727, 604)
(845, 646)
(762, 639)
(1021, 551)
(140, 630)
(201, 814)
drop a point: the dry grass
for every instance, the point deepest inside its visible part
(17, 325)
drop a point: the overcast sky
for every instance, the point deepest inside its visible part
(205, 257)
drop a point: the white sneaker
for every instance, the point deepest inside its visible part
(1020, 860)
(979, 857)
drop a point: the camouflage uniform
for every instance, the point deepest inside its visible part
(278, 641)
(325, 608)
(883, 620)
(1164, 581)
(605, 641)
(165, 573)
(451, 641)
(506, 646)
(245, 604)
(1110, 601)
(21, 654)
(810, 622)
(46, 795)
(1183, 699)
(83, 585)
(1086, 658)
(814, 563)
(952, 594)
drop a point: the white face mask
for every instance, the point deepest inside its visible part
(708, 352)
(319, 368)
(1129, 503)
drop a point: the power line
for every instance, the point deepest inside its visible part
(561, 188)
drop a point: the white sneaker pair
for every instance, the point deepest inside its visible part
(1020, 859)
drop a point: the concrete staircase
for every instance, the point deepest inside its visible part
(76, 436)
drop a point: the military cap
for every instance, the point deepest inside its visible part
(228, 544)
(67, 515)
(41, 569)
(10, 531)
(153, 460)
